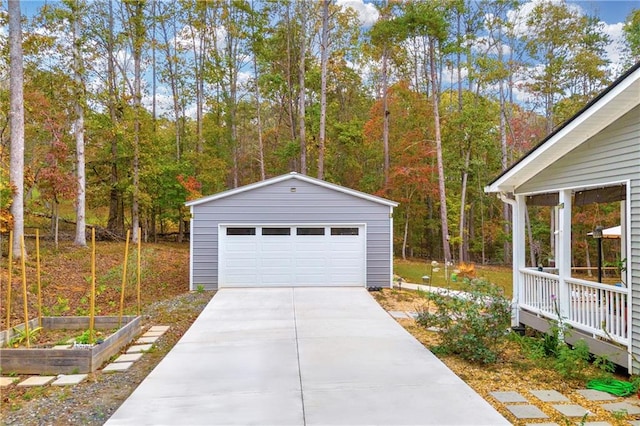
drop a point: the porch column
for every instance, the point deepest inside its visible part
(563, 250)
(518, 250)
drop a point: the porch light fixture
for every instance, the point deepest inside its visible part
(597, 234)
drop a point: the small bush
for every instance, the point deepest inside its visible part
(571, 362)
(474, 326)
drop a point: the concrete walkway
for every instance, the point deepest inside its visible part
(303, 356)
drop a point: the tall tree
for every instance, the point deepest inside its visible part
(324, 59)
(429, 20)
(16, 73)
(77, 10)
(631, 31)
(135, 24)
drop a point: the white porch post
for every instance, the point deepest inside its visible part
(518, 250)
(563, 251)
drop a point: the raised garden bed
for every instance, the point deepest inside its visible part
(72, 360)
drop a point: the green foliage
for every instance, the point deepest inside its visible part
(22, 336)
(61, 306)
(571, 362)
(200, 288)
(86, 337)
(474, 326)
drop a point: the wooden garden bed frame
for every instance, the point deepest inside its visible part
(72, 360)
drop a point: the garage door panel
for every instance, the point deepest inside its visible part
(318, 263)
(302, 258)
(239, 264)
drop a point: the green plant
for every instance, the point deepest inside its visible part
(61, 306)
(572, 361)
(200, 288)
(22, 336)
(86, 337)
(620, 414)
(605, 365)
(473, 325)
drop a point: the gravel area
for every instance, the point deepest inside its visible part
(93, 401)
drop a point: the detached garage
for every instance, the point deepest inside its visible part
(291, 231)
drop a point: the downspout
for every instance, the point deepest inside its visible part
(515, 253)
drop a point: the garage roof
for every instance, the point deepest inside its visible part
(615, 101)
(292, 176)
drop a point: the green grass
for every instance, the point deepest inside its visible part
(412, 271)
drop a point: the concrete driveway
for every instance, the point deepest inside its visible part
(301, 356)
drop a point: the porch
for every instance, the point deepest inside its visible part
(595, 312)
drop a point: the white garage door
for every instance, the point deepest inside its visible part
(286, 256)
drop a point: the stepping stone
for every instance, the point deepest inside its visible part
(572, 410)
(139, 348)
(549, 396)
(161, 328)
(527, 411)
(596, 424)
(144, 340)
(128, 357)
(117, 366)
(622, 406)
(413, 315)
(634, 422)
(6, 381)
(37, 381)
(595, 395)
(69, 379)
(153, 334)
(398, 314)
(542, 424)
(61, 347)
(509, 396)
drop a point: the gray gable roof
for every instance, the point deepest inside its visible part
(292, 176)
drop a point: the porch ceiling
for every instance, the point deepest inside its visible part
(612, 104)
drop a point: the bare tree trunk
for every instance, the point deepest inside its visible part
(405, 236)
(446, 249)
(115, 223)
(301, 89)
(532, 253)
(324, 59)
(385, 112)
(16, 123)
(81, 225)
(263, 175)
(464, 236)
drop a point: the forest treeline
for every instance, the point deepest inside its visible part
(133, 107)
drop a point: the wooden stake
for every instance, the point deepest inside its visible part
(24, 290)
(38, 277)
(92, 306)
(124, 277)
(138, 272)
(8, 323)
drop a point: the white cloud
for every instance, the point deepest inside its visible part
(615, 48)
(489, 46)
(367, 12)
(518, 17)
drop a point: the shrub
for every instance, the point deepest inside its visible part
(474, 325)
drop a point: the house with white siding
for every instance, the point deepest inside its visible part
(291, 231)
(592, 158)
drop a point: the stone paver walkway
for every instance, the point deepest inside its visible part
(532, 404)
(143, 344)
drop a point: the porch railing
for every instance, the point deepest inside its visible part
(598, 309)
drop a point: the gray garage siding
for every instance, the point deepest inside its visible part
(276, 203)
